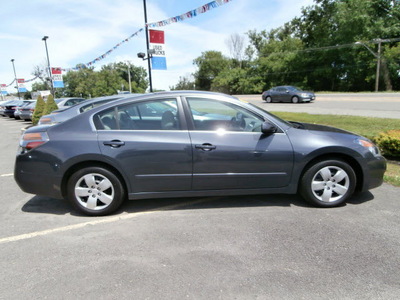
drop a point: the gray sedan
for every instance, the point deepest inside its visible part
(287, 94)
(185, 144)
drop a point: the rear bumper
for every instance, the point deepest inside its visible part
(35, 178)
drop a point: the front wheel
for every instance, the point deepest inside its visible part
(295, 99)
(328, 183)
(95, 191)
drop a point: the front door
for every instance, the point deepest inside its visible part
(230, 152)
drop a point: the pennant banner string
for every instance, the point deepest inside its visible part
(10, 83)
(188, 15)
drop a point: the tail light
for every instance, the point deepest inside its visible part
(44, 121)
(32, 140)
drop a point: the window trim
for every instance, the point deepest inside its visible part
(180, 111)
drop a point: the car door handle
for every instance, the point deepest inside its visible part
(206, 147)
(114, 143)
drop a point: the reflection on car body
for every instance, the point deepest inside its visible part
(185, 144)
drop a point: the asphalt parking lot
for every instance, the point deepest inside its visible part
(253, 247)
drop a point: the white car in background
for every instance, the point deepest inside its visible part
(67, 102)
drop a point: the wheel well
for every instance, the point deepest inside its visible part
(86, 164)
(346, 158)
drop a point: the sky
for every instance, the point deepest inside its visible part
(80, 31)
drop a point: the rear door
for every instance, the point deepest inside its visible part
(149, 143)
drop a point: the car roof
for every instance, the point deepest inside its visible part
(183, 93)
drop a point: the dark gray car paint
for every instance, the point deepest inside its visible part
(168, 164)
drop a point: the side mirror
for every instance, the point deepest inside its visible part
(268, 128)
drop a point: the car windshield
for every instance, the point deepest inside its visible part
(294, 88)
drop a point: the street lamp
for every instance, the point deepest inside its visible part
(378, 63)
(16, 80)
(147, 45)
(48, 64)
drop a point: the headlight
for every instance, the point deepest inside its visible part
(370, 146)
(304, 95)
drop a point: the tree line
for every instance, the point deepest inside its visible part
(333, 45)
(88, 83)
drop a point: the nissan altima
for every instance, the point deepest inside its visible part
(186, 144)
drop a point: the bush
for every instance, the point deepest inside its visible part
(389, 143)
(39, 107)
(50, 106)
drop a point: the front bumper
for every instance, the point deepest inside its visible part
(373, 176)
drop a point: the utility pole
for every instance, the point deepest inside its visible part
(378, 66)
(378, 58)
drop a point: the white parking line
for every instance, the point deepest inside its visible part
(97, 222)
(6, 175)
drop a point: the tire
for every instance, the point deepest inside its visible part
(295, 99)
(268, 99)
(95, 191)
(328, 183)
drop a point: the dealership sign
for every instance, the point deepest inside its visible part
(57, 78)
(157, 49)
(21, 86)
(3, 89)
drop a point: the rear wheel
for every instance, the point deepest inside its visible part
(268, 99)
(328, 183)
(95, 191)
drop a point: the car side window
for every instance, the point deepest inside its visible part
(214, 115)
(150, 115)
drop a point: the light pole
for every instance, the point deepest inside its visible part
(48, 64)
(378, 58)
(147, 44)
(16, 80)
(129, 77)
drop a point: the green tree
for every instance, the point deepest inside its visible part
(138, 75)
(38, 112)
(50, 105)
(209, 64)
(86, 82)
(184, 84)
(344, 22)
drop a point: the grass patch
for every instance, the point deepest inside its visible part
(392, 174)
(365, 126)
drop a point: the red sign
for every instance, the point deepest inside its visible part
(156, 36)
(55, 70)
